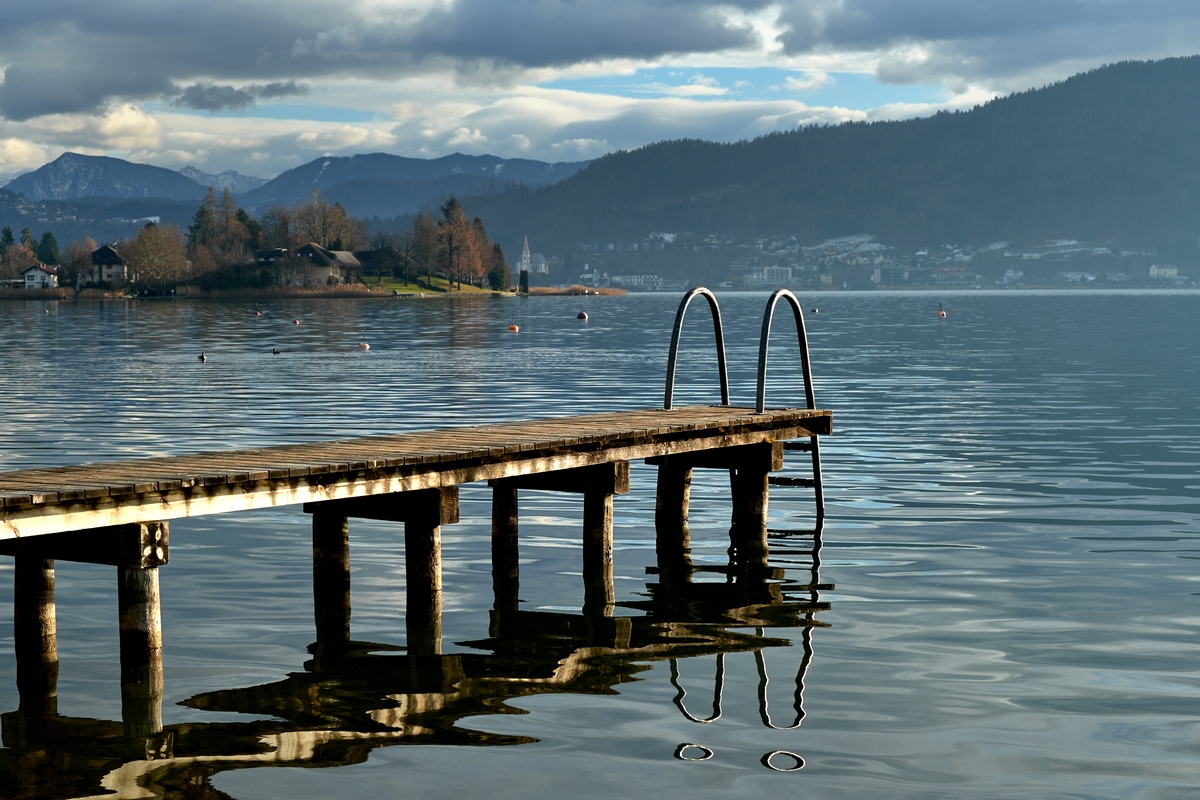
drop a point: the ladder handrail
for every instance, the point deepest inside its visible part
(801, 335)
(720, 337)
(760, 403)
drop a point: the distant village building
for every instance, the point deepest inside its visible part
(107, 266)
(763, 277)
(323, 266)
(533, 263)
(1164, 271)
(40, 276)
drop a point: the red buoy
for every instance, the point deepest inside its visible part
(513, 328)
(295, 322)
(941, 312)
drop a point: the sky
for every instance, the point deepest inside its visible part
(260, 86)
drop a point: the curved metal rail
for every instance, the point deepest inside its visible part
(764, 710)
(671, 359)
(718, 687)
(760, 402)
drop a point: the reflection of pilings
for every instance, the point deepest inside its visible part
(599, 595)
(331, 579)
(505, 563)
(34, 634)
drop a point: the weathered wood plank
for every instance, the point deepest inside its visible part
(44, 501)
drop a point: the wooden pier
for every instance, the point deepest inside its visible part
(118, 513)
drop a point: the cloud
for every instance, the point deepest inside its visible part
(213, 97)
(807, 82)
(18, 156)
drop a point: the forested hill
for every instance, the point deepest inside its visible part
(1112, 154)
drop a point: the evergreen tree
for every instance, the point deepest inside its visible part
(47, 249)
(6, 238)
(204, 224)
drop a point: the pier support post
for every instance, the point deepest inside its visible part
(506, 582)
(144, 546)
(672, 538)
(423, 577)
(35, 634)
(748, 533)
(599, 595)
(331, 580)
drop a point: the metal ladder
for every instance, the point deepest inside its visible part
(812, 446)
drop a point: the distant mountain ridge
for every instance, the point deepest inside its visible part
(72, 176)
(1108, 155)
(385, 185)
(235, 182)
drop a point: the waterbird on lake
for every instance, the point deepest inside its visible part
(274, 351)
(202, 357)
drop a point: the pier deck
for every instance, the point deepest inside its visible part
(76, 498)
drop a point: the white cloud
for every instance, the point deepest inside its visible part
(808, 81)
(18, 156)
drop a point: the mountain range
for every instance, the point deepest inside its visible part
(1108, 155)
(368, 185)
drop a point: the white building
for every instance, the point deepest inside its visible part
(40, 276)
(533, 263)
(767, 277)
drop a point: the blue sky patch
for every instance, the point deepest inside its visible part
(846, 89)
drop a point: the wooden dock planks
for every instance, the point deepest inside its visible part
(52, 500)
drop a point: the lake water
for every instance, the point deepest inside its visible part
(1013, 537)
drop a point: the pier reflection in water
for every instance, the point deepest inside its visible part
(353, 696)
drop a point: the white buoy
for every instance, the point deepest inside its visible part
(363, 344)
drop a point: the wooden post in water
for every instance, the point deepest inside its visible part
(143, 547)
(506, 580)
(423, 512)
(748, 533)
(331, 580)
(35, 634)
(423, 577)
(673, 541)
(599, 595)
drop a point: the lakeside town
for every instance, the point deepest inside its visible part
(315, 246)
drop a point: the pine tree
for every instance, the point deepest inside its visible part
(6, 237)
(47, 249)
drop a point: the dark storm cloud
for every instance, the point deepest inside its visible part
(988, 40)
(71, 56)
(215, 97)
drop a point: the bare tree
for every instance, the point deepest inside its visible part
(157, 255)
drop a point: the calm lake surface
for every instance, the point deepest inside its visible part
(1013, 534)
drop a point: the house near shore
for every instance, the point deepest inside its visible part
(40, 276)
(323, 266)
(107, 267)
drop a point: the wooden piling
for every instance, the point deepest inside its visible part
(672, 499)
(140, 615)
(35, 635)
(331, 579)
(748, 532)
(424, 513)
(505, 554)
(599, 594)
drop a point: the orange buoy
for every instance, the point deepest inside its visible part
(513, 328)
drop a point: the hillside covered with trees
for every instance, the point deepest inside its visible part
(1111, 154)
